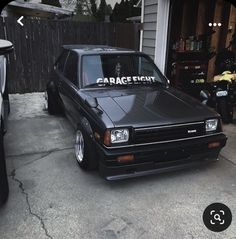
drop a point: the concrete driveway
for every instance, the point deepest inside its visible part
(51, 197)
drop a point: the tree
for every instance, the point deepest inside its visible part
(87, 10)
(114, 14)
(79, 8)
(124, 10)
(55, 3)
(83, 8)
(108, 10)
(93, 8)
(102, 10)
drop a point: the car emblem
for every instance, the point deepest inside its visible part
(192, 131)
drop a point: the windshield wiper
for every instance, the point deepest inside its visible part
(107, 84)
(148, 84)
(98, 84)
(158, 83)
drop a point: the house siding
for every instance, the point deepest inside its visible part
(149, 27)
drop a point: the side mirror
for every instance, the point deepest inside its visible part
(204, 96)
(91, 102)
(5, 47)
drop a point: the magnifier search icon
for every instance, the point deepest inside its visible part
(217, 217)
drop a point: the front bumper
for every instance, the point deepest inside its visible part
(157, 158)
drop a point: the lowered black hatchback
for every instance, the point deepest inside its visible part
(129, 122)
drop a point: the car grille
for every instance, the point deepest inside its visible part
(167, 133)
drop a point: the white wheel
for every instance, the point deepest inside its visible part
(79, 146)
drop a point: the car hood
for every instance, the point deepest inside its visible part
(146, 106)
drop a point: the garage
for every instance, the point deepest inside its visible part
(198, 31)
(194, 45)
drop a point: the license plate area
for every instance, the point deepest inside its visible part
(221, 93)
(163, 156)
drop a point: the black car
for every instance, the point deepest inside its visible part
(5, 47)
(129, 121)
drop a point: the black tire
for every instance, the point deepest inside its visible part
(6, 99)
(225, 111)
(4, 187)
(53, 102)
(89, 161)
(9, 107)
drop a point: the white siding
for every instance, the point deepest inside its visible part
(149, 27)
(148, 42)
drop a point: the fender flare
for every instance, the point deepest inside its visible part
(84, 123)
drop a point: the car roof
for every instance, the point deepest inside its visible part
(94, 49)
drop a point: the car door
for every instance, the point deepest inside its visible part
(69, 86)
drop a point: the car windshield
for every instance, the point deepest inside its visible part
(119, 70)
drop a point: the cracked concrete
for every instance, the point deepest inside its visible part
(51, 197)
(21, 186)
(41, 156)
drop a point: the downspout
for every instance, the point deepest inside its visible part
(141, 31)
(163, 11)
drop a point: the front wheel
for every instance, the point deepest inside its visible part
(225, 110)
(4, 187)
(84, 151)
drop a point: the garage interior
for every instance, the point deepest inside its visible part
(194, 39)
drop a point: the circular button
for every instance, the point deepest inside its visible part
(217, 217)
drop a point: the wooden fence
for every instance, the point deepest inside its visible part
(38, 44)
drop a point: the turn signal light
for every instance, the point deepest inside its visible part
(125, 158)
(214, 145)
(107, 138)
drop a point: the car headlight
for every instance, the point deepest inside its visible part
(211, 125)
(119, 136)
(116, 136)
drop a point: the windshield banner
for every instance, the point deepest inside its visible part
(126, 80)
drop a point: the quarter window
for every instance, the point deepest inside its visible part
(61, 61)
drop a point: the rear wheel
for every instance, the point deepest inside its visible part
(225, 110)
(84, 151)
(6, 99)
(4, 188)
(53, 102)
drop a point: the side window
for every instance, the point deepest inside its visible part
(146, 68)
(61, 61)
(71, 68)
